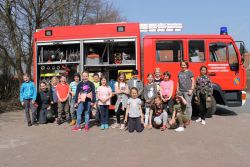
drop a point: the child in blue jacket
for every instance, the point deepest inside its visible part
(27, 98)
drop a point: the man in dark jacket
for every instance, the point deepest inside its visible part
(85, 98)
(43, 101)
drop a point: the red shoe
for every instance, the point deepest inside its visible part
(164, 127)
(86, 128)
(76, 128)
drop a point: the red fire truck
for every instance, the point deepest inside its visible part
(110, 48)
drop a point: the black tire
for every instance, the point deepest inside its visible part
(212, 110)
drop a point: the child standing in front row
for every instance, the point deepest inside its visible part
(85, 98)
(166, 92)
(63, 97)
(121, 91)
(54, 98)
(104, 94)
(73, 86)
(27, 98)
(150, 92)
(134, 115)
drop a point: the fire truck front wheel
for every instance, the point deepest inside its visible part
(212, 110)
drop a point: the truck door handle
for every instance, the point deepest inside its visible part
(212, 74)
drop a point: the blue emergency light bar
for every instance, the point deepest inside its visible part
(223, 31)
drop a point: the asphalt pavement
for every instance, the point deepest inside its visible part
(222, 142)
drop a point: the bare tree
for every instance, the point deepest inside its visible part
(20, 18)
(79, 12)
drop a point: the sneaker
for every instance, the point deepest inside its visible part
(115, 125)
(102, 127)
(29, 124)
(122, 127)
(76, 128)
(198, 120)
(86, 128)
(106, 126)
(203, 122)
(164, 127)
(179, 129)
(58, 122)
(72, 123)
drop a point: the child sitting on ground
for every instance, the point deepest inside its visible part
(159, 113)
(179, 113)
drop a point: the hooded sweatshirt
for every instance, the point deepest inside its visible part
(27, 91)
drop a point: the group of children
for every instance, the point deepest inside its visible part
(144, 106)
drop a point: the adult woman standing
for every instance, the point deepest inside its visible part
(203, 93)
(185, 85)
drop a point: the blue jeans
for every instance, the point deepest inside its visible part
(104, 114)
(86, 108)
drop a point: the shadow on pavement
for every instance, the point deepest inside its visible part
(224, 112)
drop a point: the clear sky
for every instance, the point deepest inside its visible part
(197, 16)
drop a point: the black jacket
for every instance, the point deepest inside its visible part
(43, 99)
(80, 89)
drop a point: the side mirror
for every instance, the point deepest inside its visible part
(243, 49)
(242, 59)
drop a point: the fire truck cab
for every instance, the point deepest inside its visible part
(111, 48)
(218, 52)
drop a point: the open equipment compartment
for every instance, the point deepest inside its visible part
(110, 56)
(57, 58)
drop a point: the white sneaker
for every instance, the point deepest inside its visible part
(198, 120)
(179, 129)
(115, 125)
(203, 122)
(122, 126)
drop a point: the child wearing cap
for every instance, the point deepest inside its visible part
(135, 82)
(179, 113)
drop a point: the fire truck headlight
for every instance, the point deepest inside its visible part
(223, 31)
